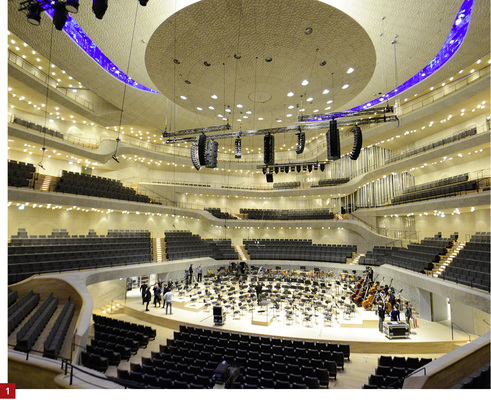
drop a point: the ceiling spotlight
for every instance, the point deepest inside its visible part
(237, 56)
(143, 2)
(34, 14)
(308, 31)
(305, 82)
(72, 6)
(322, 63)
(60, 15)
(268, 59)
(99, 8)
(176, 61)
(207, 64)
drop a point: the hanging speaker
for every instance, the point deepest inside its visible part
(357, 143)
(194, 157)
(268, 149)
(269, 178)
(287, 169)
(202, 149)
(238, 148)
(299, 168)
(211, 153)
(322, 166)
(300, 142)
(332, 140)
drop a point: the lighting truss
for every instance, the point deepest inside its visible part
(344, 114)
(195, 131)
(377, 119)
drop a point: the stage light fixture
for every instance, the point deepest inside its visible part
(99, 8)
(287, 169)
(115, 158)
(34, 14)
(143, 2)
(72, 6)
(60, 15)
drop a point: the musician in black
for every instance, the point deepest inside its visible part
(259, 289)
(408, 313)
(381, 315)
(391, 299)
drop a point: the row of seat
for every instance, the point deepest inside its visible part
(217, 213)
(12, 296)
(479, 379)
(442, 191)
(56, 336)
(441, 182)
(439, 143)
(21, 308)
(287, 214)
(19, 173)
(88, 185)
(147, 330)
(31, 330)
(183, 244)
(391, 370)
(37, 127)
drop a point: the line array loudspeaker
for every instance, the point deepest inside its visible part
(332, 140)
(194, 157)
(269, 178)
(358, 141)
(238, 148)
(211, 153)
(300, 142)
(202, 149)
(268, 149)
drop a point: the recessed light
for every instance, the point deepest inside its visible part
(310, 99)
(329, 101)
(184, 97)
(290, 94)
(290, 107)
(350, 70)
(326, 91)
(345, 86)
(211, 107)
(305, 82)
(199, 108)
(240, 105)
(214, 96)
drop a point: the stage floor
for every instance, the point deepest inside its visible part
(360, 329)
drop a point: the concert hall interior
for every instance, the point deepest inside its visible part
(248, 194)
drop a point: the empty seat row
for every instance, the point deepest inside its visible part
(20, 309)
(31, 330)
(56, 337)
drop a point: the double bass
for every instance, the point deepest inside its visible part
(369, 301)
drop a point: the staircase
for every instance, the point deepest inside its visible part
(447, 259)
(45, 183)
(159, 250)
(242, 252)
(355, 260)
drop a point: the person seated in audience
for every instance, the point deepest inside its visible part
(395, 314)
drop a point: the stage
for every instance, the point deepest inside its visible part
(359, 328)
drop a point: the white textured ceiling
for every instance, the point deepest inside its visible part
(419, 28)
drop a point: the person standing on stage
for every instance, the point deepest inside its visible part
(381, 315)
(168, 301)
(156, 294)
(200, 273)
(147, 297)
(408, 313)
(395, 314)
(143, 289)
(164, 291)
(259, 289)
(190, 274)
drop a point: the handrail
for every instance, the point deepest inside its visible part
(452, 325)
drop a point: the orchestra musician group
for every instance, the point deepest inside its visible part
(369, 294)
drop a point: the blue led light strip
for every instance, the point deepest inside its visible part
(77, 34)
(450, 47)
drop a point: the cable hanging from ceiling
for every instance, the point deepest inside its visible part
(118, 138)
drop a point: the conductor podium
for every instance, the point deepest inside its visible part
(218, 315)
(394, 329)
